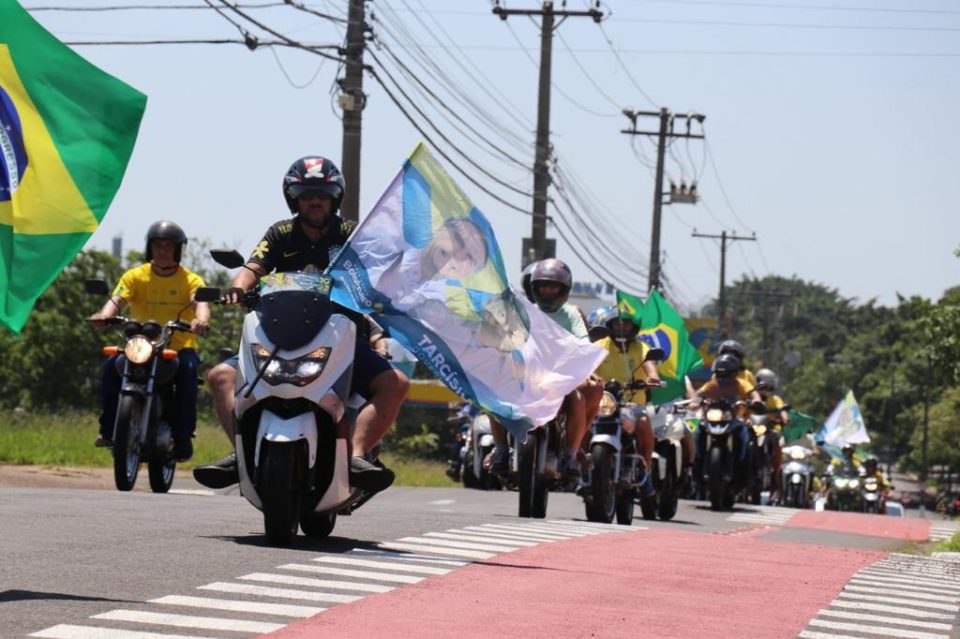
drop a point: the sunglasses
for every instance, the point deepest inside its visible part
(304, 191)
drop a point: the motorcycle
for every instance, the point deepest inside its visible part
(142, 430)
(844, 491)
(477, 444)
(723, 473)
(293, 392)
(871, 497)
(537, 463)
(760, 458)
(796, 476)
(610, 490)
(669, 429)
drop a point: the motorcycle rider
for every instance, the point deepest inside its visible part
(525, 281)
(158, 290)
(631, 359)
(735, 348)
(313, 189)
(777, 417)
(871, 468)
(728, 384)
(550, 284)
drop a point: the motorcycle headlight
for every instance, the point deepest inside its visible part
(870, 484)
(840, 482)
(138, 349)
(299, 372)
(854, 483)
(608, 405)
(795, 478)
(719, 415)
(797, 454)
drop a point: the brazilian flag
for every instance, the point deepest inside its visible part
(661, 326)
(67, 130)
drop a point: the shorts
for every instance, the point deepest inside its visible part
(367, 364)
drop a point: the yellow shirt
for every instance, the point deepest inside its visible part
(747, 377)
(160, 298)
(624, 367)
(728, 389)
(775, 405)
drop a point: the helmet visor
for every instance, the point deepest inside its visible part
(297, 191)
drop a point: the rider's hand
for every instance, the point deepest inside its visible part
(199, 326)
(98, 319)
(233, 295)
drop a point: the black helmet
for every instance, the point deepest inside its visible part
(166, 230)
(313, 173)
(871, 460)
(766, 380)
(525, 281)
(726, 365)
(552, 271)
(732, 347)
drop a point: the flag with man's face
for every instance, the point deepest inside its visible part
(425, 262)
(662, 327)
(67, 130)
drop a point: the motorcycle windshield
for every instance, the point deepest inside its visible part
(294, 307)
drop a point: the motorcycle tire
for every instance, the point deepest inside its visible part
(648, 507)
(469, 479)
(161, 469)
(718, 486)
(126, 442)
(541, 487)
(526, 471)
(318, 525)
(669, 496)
(602, 505)
(279, 490)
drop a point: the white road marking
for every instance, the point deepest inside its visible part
(899, 600)
(519, 534)
(437, 550)
(896, 592)
(290, 580)
(187, 621)
(843, 614)
(895, 610)
(457, 544)
(387, 565)
(442, 502)
(906, 584)
(67, 631)
(466, 536)
(281, 593)
(877, 630)
(358, 574)
(190, 491)
(281, 610)
(410, 557)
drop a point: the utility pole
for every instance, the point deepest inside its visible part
(665, 131)
(765, 296)
(352, 99)
(723, 325)
(537, 246)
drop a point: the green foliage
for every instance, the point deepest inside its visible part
(422, 444)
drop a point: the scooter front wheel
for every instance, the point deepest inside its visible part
(279, 490)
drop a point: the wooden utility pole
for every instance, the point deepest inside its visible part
(665, 131)
(352, 100)
(537, 246)
(724, 237)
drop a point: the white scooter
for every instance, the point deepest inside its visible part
(293, 388)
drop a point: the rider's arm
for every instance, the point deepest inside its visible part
(651, 372)
(111, 308)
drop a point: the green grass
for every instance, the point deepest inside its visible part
(66, 439)
(947, 545)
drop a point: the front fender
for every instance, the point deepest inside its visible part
(273, 428)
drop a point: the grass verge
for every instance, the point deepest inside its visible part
(66, 439)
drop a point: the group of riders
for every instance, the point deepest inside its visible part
(163, 289)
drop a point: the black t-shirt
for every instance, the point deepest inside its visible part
(285, 246)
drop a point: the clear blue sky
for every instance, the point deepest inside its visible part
(832, 127)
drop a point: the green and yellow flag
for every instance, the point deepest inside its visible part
(662, 327)
(67, 130)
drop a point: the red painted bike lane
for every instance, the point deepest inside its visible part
(907, 528)
(644, 583)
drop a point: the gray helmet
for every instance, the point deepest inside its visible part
(551, 271)
(166, 230)
(733, 347)
(766, 380)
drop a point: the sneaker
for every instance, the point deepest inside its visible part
(103, 442)
(369, 477)
(182, 449)
(219, 474)
(585, 461)
(453, 473)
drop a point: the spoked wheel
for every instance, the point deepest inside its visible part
(126, 442)
(280, 492)
(603, 499)
(318, 525)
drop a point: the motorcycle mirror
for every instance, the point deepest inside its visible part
(207, 294)
(224, 354)
(228, 258)
(96, 287)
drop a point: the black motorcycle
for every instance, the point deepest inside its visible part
(538, 464)
(725, 475)
(142, 430)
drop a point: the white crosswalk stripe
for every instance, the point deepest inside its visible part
(943, 529)
(907, 596)
(767, 515)
(258, 603)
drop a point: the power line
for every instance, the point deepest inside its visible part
(723, 191)
(589, 77)
(250, 44)
(785, 25)
(616, 54)
(153, 7)
(809, 7)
